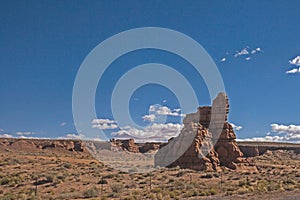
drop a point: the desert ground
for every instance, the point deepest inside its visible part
(54, 172)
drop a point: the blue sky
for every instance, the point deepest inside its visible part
(43, 45)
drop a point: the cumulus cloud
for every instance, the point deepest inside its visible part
(155, 132)
(149, 118)
(280, 133)
(104, 124)
(236, 127)
(290, 129)
(5, 136)
(158, 110)
(164, 110)
(223, 59)
(24, 133)
(242, 52)
(103, 121)
(254, 51)
(295, 61)
(293, 71)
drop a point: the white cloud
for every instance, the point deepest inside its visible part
(295, 61)
(164, 110)
(267, 138)
(65, 137)
(1, 130)
(103, 121)
(158, 110)
(254, 51)
(28, 137)
(155, 132)
(293, 71)
(177, 110)
(5, 136)
(24, 133)
(290, 129)
(164, 101)
(283, 133)
(104, 124)
(63, 123)
(149, 118)
(242, 52)
(71, 136)
(236, 127)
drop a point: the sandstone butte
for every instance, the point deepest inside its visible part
(206, 142)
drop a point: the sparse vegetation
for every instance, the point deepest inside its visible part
(92, 192)
(67, 175)
(117, 188)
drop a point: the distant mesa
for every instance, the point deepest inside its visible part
(38, 145)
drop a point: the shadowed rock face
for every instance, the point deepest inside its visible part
(127, 145)
(206, 141)
(150, 146)
(200, 155)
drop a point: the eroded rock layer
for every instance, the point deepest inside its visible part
(212, 145)
(200, 155)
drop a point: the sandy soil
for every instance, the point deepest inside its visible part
(61, 174)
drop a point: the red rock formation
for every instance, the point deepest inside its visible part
(127, 145)
(23, 145)
(149, 146)
(78, 146)
(200, 155)
(212, 143)
(36, 145)
(215, 119)
(227, 148)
